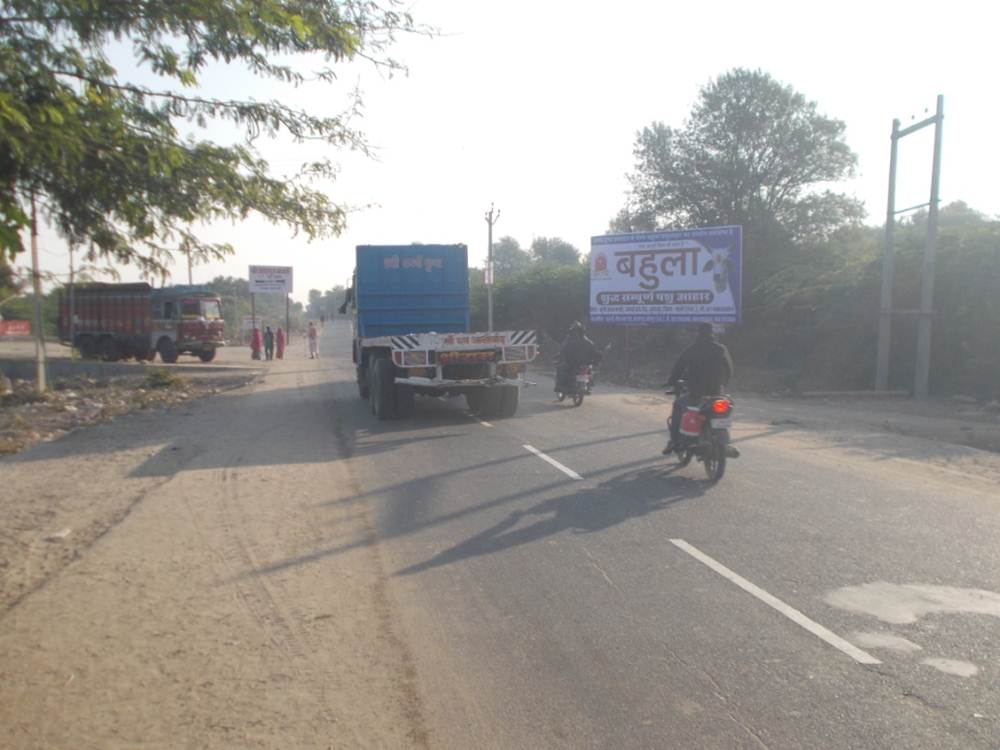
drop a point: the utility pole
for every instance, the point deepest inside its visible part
(72, 302)
(36, 279)
(190, 282)
(888, 272)
(925, 313)
(922, 376)
(491, 219)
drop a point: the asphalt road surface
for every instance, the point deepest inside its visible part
(549, 580)
(606, 601)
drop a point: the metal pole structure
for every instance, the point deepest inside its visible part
(922, 377)
(36, 280)
(888, 272)
(628, 355)
(72, 303)
(288, 316)
(190, 277)
(253, 316)
(490, 221)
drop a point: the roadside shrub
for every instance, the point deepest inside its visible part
(158, 377)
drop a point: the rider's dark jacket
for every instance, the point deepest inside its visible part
(705, 366)
(577, 351)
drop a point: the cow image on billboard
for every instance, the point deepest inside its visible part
(674, 276)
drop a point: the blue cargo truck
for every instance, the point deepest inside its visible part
(412, 337)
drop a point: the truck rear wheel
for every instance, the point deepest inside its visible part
(491, 402)
(404, 400)
(87, 347)
(167, 350)
(383, 393)
(510, 397)
(475, 400)
(207, 355)
(109, 350)
(362, 376)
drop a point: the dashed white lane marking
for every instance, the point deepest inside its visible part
(484, 423)
(564, 469)
(862, 657)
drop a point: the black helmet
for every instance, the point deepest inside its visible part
(706, 331)
(577, 327)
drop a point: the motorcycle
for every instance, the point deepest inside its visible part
(584, 379)
(704, 432)
(581, 386)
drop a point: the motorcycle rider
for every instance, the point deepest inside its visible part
(577, 350)
(706, 367)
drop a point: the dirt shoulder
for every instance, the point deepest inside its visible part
(197, 577)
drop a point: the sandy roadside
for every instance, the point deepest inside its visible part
(167, 585)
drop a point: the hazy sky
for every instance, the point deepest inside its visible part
(534, 106)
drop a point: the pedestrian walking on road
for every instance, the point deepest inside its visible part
(268, 343)
(256, 343)
(279, 341)
(313, 341)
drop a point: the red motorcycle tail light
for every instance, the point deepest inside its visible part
(720, 406)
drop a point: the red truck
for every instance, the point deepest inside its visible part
(119, 321)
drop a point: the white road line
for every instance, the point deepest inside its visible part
(565, 470)
(484, 423)
(862, 657)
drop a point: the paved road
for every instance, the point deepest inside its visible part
(275, 568)
(615, 610)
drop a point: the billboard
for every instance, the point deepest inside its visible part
(270, 279)
(15, 327)
(674, 276)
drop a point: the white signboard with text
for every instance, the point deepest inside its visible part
(675, 276)
(271, 279)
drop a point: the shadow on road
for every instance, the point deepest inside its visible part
(612, 502)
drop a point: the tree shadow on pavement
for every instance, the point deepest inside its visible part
(619, 499)
(410, 494)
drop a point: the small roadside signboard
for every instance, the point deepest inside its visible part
(271, 279)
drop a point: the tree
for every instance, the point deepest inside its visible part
(508, 257)
(315, 306)
(105, 157)
(752, 152)
(555, 251)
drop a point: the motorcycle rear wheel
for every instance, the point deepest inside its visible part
(560, 396)
(715, 461)
(577, 398)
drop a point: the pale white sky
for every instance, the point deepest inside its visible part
(534, 106)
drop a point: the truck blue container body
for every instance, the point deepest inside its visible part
(401, 289)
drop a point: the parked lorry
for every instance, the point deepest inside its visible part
(411, 334)
(119, 321)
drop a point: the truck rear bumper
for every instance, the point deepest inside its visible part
(453, 384)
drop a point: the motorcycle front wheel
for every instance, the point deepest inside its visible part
(685, 457)
(560, 396)
(577, 398)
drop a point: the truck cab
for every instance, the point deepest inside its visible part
(187, 320)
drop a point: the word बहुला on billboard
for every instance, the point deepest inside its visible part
(673, 276)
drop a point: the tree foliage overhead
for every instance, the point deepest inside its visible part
(106, 157)
(554, 250)
(752, 152)
(508, 257)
